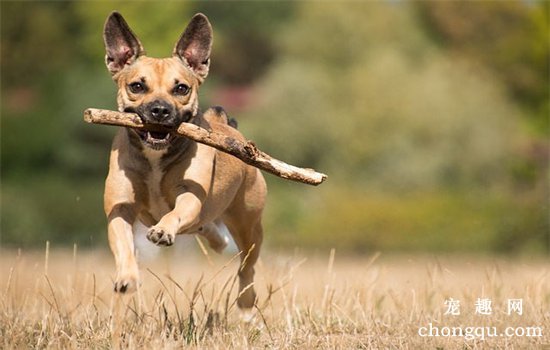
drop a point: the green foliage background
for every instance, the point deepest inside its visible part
(430, 118)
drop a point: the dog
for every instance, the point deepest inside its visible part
(172, 184)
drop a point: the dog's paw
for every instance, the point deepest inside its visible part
(247, 316)
(126, 283)
(159, 236)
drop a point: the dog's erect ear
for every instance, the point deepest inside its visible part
(195, 44)
(121, 44)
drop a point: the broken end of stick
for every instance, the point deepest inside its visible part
(88, 115)
(316, 177)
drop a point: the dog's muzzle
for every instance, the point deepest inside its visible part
(160, 117)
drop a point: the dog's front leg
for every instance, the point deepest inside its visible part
(186, 213)
(121, 241)
(190, 195)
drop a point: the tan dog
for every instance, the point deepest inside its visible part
(171, 184)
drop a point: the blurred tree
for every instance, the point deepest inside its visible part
(31, 37)
(511, 38)
(244, 45)
(380, 104)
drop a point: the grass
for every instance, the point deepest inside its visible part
(64, 299)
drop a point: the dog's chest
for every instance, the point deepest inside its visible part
(157, 205)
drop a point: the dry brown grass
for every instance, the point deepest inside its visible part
(65, 300)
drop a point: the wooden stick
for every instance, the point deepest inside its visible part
(245, 151)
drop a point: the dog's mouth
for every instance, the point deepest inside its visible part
(155, 135)
(157, 140)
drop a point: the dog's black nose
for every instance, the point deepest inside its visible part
(160, 110)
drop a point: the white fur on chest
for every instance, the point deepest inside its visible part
(157, 205)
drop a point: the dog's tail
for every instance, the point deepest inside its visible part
(233, 122)
(220, 113)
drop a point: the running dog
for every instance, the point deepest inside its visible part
(171, 184)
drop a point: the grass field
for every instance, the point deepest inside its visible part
(64, 299)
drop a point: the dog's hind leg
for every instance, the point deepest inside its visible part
(249, 241)
(243, 219)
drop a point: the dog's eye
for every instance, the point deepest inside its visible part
(137, 87)
(181, 89)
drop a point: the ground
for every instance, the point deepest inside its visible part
(65, 299)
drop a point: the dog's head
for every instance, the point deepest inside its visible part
(162, 91)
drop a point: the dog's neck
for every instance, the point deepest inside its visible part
(154, 156)
(177, 149)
